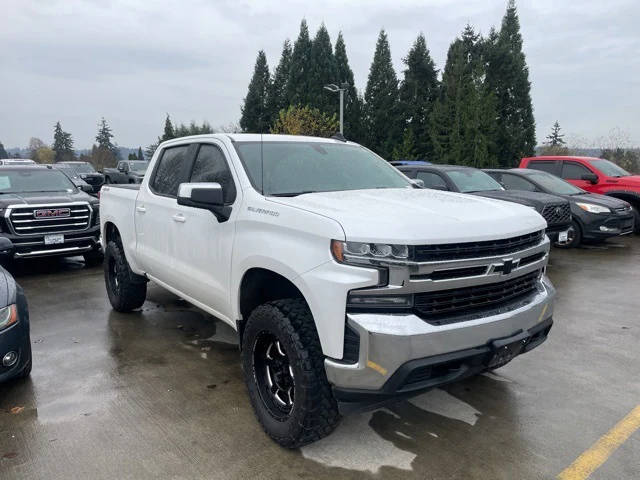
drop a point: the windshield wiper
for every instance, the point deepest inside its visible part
(290, 194)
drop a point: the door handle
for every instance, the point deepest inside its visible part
(178, 217)
(141, 209)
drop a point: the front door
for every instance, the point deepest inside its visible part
(203, 257)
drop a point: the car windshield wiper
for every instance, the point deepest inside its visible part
(289, 194)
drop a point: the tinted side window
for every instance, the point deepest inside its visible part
(549, 167)
(169, 173)
(211, 166)
(432, 180)
(514, 182)
(573, 171)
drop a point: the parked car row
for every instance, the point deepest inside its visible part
(573, 215)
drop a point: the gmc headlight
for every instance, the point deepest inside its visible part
(367, 251)
(591, 208)
(8, 316)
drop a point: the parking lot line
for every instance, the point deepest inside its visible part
(600, 451)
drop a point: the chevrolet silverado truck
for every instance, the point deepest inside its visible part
(42, 213)
(349, 287)
(127, 171)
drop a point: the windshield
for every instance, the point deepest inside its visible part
(25, 181)
(470, 180)
(81, 167)
(293, 168)
(609, 168)
(554, 185)
(139, 166)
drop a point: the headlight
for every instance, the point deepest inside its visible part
(591, 208)
(8, 316)
(368, 251)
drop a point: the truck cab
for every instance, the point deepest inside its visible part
(310, 248)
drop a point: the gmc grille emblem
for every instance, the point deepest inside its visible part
(52, 213)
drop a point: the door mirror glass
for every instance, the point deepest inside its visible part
(201, 195)
(85, 187)
(590, 177)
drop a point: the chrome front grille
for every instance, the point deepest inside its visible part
(554, 214)
(49, 218)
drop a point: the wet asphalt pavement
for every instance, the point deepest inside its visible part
(159, 393)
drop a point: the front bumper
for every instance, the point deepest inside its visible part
(75, 243)
(393, 347)
(553, 231)
(15, 339)
(598, 226)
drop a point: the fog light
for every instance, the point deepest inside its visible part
(607, 229)
(10, 359)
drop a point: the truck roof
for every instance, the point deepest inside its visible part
(257, 137)
(561, 157)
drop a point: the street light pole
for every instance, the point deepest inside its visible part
(332, 87)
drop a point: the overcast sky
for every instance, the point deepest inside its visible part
(133, 61)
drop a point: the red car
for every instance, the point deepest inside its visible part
(595, 175)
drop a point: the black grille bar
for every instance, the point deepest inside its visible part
(432, 306)
(456, 251)
(555, 214)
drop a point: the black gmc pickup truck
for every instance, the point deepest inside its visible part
(42, 213)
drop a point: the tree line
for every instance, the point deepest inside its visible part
(477, 112)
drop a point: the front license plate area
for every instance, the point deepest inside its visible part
(563, 236)
(504, 353)
(54, 239)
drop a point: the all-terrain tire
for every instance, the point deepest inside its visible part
(126, 290)
(314, 412)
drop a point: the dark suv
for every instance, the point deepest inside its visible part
(42, 213)
(456, 178)
(594, 217)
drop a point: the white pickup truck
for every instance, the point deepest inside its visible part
(349, 287)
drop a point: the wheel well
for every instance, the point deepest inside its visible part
(259, 286)
(632, 199)
(111, 233)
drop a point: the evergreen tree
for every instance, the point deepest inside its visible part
(132, 156)
(62, 144)
(407, 149)
(555, 138)
(381, 101)
(299, 86)
(150, 150)
(3, 152)
(508, 78)
(323, 71)
(277, 97)
(104, 137)
(255, 116)
(140, 154)
(418, 93)
(168, 133)
(353, 125)
(463, 122)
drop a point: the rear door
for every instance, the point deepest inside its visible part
(202, 259)
(572, 172)
(553, 167)
(156, 211)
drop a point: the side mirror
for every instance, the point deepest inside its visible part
(417, 183)
(85, 187)
(208, 196)
(590, 177)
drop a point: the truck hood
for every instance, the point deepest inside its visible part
(632, 181)
(37, 198)
(532, 199)
(418, 216)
